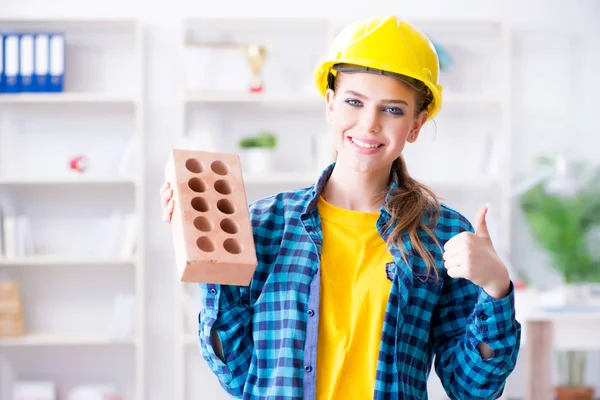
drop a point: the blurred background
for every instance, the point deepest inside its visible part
(97, 93)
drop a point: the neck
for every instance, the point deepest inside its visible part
(359, 191)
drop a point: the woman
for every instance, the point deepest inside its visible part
(365, 277)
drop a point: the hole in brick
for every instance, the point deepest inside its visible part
(229, 226)
(197, 185)
(200, 204)
(224, 187)
(203, 224)
(225, 206)
(194, 166)
(219, 167)
(233, 246)
(206, 244)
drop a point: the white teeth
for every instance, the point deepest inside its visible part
(364, 145)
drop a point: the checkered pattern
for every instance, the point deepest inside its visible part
(269, 330)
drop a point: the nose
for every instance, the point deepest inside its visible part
(369, 120)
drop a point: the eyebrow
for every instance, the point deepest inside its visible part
(362, 96)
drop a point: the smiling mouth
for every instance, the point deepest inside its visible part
(365, 145)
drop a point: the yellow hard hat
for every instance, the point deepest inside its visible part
(387, 44)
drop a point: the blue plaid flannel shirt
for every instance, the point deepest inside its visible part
(268, 330)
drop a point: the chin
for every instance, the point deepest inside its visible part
(366, 166)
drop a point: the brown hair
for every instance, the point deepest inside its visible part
(413, 206)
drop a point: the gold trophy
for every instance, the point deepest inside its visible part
(256, 56)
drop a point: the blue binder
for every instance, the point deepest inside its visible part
(41, 72)
(57, 62)
(26, 62)
(2, 77)
(11, 63)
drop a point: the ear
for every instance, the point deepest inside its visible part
(417, 124)
(329, 97)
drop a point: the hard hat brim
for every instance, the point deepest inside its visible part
(322, 73)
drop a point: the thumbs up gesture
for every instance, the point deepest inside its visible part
(472, 256)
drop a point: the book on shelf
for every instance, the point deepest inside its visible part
(123, 317)
(126, 158)
(15, 233)
(118, 238)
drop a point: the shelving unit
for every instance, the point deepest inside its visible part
(65, 340)
(463, 156)
(41, 261)
(214, 119)
(61, 98)
(74, 180)
(72, 276)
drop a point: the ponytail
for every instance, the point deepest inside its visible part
(413, 208)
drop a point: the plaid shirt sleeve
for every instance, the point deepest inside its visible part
(467, 316)
(228, 309)
(225, 309)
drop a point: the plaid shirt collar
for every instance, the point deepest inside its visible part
(312, 224)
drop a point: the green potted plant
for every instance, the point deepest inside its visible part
(571, 365)
(563, 212)
(257, 152)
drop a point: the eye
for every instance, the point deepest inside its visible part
(394, 111)
(353, 102)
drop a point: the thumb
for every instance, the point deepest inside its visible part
(481, 228)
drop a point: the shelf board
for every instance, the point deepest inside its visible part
(469, 98)
(591, 314)
(75, 180)
(42, 339)
(253, 98)
(43, 261)
(282, 99)
(66, 98)
(240, 22)
(79, 23)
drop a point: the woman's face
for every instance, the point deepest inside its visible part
(372, 117)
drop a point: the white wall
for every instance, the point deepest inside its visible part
(557, 56)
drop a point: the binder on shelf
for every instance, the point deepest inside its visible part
(2, 77)
(57, 62)
(11, 63)
(42, 62)
(26, 62)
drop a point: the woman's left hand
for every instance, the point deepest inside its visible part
(472, 256)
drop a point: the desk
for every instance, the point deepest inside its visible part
(545, 331)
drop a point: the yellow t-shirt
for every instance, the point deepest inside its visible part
(354, 295)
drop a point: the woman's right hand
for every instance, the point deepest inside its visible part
(167, 202)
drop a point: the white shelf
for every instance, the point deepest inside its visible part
(39, 339)
(105, 80)
(253, 98)
(284, 23)
(470, 99)
(67, 98)
(46, 261)
(64, 22)
(75, 180)
(314, 100)
(564, 315)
